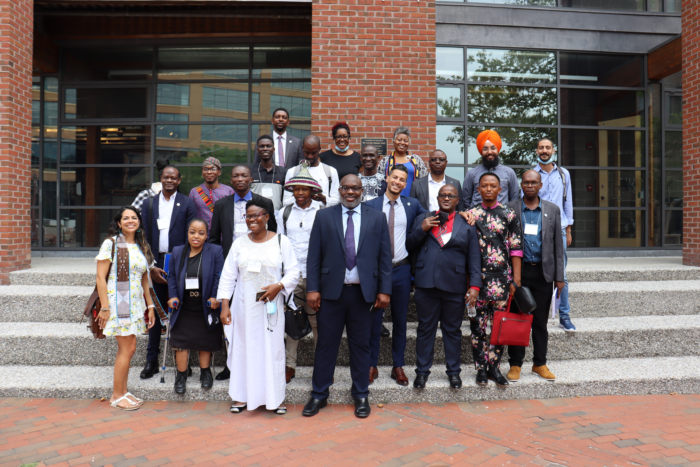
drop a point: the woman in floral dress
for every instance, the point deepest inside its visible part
(122, 296)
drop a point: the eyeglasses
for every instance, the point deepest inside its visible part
(255, 216)
(444, 196)
(351, 188)
(209, 169)
(531, 183)
(342, 137)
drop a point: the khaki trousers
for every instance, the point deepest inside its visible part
(291, 345)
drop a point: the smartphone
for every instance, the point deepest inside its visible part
(258, 296)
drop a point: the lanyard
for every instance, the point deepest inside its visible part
(273, 172)
(199, 267)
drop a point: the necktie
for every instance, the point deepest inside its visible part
(391, 226)
(350, 259)
(280, 150)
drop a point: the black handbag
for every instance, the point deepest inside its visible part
(524, 300)
(296, 322)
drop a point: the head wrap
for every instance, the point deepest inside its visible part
(211, 161)
(303, 178)
(488, 135)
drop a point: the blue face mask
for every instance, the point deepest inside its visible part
(544, 162)
(271, 308)
(340, 150)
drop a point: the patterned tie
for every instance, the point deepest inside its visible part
(280, 150)
(350, 259)
(391, 226)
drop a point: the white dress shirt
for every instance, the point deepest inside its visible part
(400, 225)
(276, 140)
(240, 227)
(165, 214)
(319, 174)
(433, 188)
(298, 230)
(352, 276)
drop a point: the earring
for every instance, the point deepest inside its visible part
(265, 225)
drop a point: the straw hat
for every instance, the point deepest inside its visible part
(303, 178)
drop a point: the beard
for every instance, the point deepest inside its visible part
(351, 205)
(490, 163)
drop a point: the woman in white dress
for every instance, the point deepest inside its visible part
(257, 354)
(122, 296)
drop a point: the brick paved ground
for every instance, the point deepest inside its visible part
(609, 430)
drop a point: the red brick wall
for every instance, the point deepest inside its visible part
(16, 24)
(691, 132)
(373, 66)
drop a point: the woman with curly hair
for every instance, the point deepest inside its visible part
(400, 156)
(341, 157)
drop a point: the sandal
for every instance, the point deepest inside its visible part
(132, 404)
(133, 398)
(281, 410)
(238, 407)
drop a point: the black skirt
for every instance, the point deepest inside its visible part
(192, 333)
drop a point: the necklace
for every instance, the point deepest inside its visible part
(306, 213)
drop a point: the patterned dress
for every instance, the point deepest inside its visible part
(137, 266)
(500, 238)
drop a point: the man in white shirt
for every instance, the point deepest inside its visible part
(325, 175)
(287, 147)
(425, 189)
(295, 221)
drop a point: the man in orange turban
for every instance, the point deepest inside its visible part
(489, 145)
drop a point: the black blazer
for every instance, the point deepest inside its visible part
(223, 222)
(183, 212)
(447, 271)
(420, 191)
(325, 264)
(212, 264)
(293, 154)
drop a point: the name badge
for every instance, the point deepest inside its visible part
(191, 283)
(531, 229)
(162, 224)
(254, 266)
(267, 192)
(241, 228)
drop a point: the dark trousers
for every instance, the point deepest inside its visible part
(161, 291)
(349, 311)
(533, 279)
(435, 305)
(400, 294)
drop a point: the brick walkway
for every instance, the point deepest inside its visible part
(609, 430)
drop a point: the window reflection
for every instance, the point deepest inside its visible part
(607, 188)
(511, 66)
(287, 62)
(450, 139)
(296, 101)
(673, 228)
(608, 229)
(108, 64)
(675, 110)
(597, 107)
(674, 189)
(633, 5)
(449, 101)
(203, 63)
(449, 63)
(228, 143)
(84, 227)
(510, 104)
(106, 144)
(518, 144)
(674, 149)
(601, 69)
(100, 103)
(102, 186)
(603, 148)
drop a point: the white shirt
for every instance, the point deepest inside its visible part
(165, 214)
(240, 228)
(298, 230)
(319, 174)
(433, 188)
(400, 224)
(276, 139)
(352, 276)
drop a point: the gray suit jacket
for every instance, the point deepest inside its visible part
(292, 154)
(421, 192)
(552, 242)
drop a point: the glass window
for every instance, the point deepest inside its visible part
(106, 144)
(598, 107)
(450, 139)
(675, 110)
(674, 149)
(102, 186)
(99, 103)
(295, 129)
(228, 99)
(674, 189)
(228, 143)
(36, 124)
(608, 229)
(601, 69)
(449, 101)
(173, 94)
(674, 81)
(673, 228)
(633, 5)
(518, 144)
(203, 63)
(456, 172)
(50, 107)
(510, 104)
(672, 6)
(511, 66)
(172, 131)
(603, 148)
(108, 64)
(607, 188)
(297, 102)
(36, 228)
(449, 63)
(285, 62)
(84, 227)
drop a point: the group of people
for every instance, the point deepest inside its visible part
(227, 260)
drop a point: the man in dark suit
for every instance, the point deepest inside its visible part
(401, 212)
(543, 263)
(287, 147)
(358, 237)
(425, 189)
(165, 220)
(441, 283)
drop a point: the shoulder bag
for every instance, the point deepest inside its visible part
(92, 309)
(296, 322)
(511, 328)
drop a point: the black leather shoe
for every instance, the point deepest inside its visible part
(149, 370)
(495, 375)
(206, 378)
(482, 377)
(313, 406)
(362, 408)
(455, 381)
(385, 332)
(224, 375)
(419, 382)
(181, 382)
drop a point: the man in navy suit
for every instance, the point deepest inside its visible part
(441, 283)
(356, 236)
(165, 220)
(401, 212)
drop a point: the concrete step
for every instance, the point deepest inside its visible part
(43, 303)
(639, 336)
(57, 271)
(616, 376)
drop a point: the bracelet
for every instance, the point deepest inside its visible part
(150, 306)
(104, 309)
(281, 286)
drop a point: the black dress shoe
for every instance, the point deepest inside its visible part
(495, 375)
(362, 408)
(313, 406)
(455, 381)
(224, 375)
(149, 370)
(482, 378)
(385, 332)
(419, 382)
(181, 382)
(206, 378)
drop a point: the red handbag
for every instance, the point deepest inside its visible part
(511, 328)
